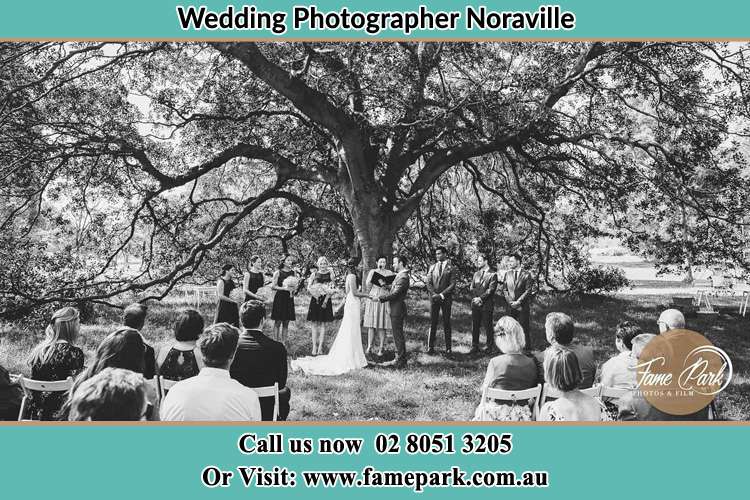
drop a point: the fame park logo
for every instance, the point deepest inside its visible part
(680, 372)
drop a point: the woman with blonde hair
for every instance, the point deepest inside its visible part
(320, 312)
(55, 358)
(512, 370)
(562, 372)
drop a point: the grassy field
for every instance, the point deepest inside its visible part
(433, 387)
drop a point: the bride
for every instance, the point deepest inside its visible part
(346, 352)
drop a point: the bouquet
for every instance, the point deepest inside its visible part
(238, 295)
(319, 290)
(291, 282)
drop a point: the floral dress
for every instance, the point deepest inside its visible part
(64, 361)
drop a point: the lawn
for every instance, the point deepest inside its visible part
(432, 387)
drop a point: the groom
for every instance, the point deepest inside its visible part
(397, 301)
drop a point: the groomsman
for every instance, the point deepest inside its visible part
(483, 287)
(517, 292)
(441, 281)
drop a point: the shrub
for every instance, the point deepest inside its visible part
(597, 280)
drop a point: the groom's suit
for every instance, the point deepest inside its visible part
(441, 280)
(397, 301)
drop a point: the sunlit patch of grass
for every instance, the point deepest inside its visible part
(432, 387)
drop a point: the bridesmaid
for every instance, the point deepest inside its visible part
(227, 311)
(282, 311)
(377, 314)
(320, 312)
(253, 279)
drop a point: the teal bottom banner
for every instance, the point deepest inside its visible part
(399, 461)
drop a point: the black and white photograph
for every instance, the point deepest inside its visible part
(385, 231)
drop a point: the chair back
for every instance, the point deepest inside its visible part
(30, 385)
(522, 395)
(268, 392)
(594, 391)
(613, 392)
(163, 385)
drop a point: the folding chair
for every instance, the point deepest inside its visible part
(30, 385)
(613, 392)
(490, 393)
(267, 392)
(163, 385)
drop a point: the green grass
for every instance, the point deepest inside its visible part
(432, 387)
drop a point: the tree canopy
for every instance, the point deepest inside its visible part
(176, 155)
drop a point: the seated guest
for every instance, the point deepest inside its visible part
(618, 371)
(113, 394)
(562, 372)
(511, 371)
(261, 361)
(633, 406)
(670, 319)
(182, 358)
(134, 317)
(10, 396)
(122, 348)
(56, 358)
(559, 329)
(212, 395)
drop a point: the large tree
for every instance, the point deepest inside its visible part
(165, 149)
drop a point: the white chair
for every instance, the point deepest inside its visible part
(491, 393)
(613, 392)
(163, 385)
(550, 392)
(30, 385)
(268, 392)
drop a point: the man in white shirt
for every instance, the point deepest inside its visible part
(618, 371)
(212, 395)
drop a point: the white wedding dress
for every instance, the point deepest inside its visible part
(346, 353)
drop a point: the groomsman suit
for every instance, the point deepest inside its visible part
(397, 301)
(483, 286)
(441, 281)
(517, 287)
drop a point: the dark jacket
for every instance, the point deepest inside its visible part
(397, 295)
(634, 407)
(517, 289)
(259, 362)
(442, 283)
(484, 286)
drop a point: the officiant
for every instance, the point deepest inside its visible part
(378, 314)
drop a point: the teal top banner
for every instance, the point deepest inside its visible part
(383, 20)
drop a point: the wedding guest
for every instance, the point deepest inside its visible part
(282, 311)
(377, 314)
(670, 319)
(253, 279)
(320, 312)
(124, 349)
(633, 406)
(261, 361)
(114, 394)
(134, 316)
(516, 288)
(512, 371)
(618, 371)
(55, 358)
(11, 395)
(441, 281)
(483, 287)
(562, 372)
(560, 330)
(182, 358)
(212, 395)
(227, 309)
